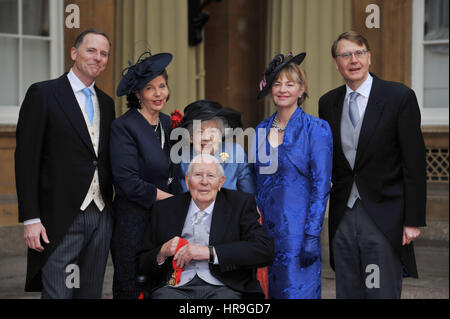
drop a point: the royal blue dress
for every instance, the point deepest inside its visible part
(292, 197)
(238, 173)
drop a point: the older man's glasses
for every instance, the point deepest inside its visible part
(348, 55)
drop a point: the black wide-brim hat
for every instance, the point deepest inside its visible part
(148, 66)
(206, 110)
(274, 68)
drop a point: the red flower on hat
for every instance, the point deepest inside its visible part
(175, 119)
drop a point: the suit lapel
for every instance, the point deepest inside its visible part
(167, 143)
(371, 119)
(166, 127)
(68, 103)
(103, 113)
(180, 215)
(336, 126)
(219, 221)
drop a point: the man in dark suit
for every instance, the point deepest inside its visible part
(63, 175)
(211, 234)
(378, 196)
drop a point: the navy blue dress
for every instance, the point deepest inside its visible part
(139, 166)
(292, 197)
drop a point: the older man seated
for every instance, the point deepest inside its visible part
(206, 243)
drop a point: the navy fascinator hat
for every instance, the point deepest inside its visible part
(206, 109)
(148, 66)
(275, 66)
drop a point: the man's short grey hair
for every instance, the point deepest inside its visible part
(205, 158)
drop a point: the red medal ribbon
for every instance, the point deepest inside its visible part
(178, 270)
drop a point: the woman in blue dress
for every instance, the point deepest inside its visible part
(207, 135)
(292, 162)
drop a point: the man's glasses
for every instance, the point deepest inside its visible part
(358, 54)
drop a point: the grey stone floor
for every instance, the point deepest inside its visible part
(432, 261)
(433, 281)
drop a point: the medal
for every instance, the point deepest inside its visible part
(173, 279)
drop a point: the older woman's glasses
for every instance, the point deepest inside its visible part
(348, 55)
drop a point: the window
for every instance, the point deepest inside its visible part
(31, 46)
(430, 57)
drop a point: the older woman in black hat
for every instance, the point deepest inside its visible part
(140, 161)
(207, 122)
(293, 181)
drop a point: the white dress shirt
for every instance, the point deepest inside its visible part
(363, 97)
(192, 213)
(191, 216)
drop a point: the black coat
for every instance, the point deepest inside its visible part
(138, 162)
(140, 166)
(390, 167)
(241, 243)
(55, 162)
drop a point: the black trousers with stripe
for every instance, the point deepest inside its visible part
(366, 265)
(76, 268)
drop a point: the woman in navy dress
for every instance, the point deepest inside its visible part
(209, 137)
(140, 160)
(292, 161)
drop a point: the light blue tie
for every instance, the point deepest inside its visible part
(353, 109)
(88, 105)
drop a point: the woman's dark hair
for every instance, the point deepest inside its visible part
(133, 101)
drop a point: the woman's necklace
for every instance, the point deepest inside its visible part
(275, 125)
(158, 124)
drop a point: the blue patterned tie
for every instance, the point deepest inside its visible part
(88, 105)
(353, 109)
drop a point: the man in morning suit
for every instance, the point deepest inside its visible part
(63, 175)
(377, 201)
(223, 240)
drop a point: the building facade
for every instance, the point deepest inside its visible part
(224, 60)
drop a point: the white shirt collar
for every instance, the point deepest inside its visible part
(193, 208)
(76, 83)
(364, 89)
